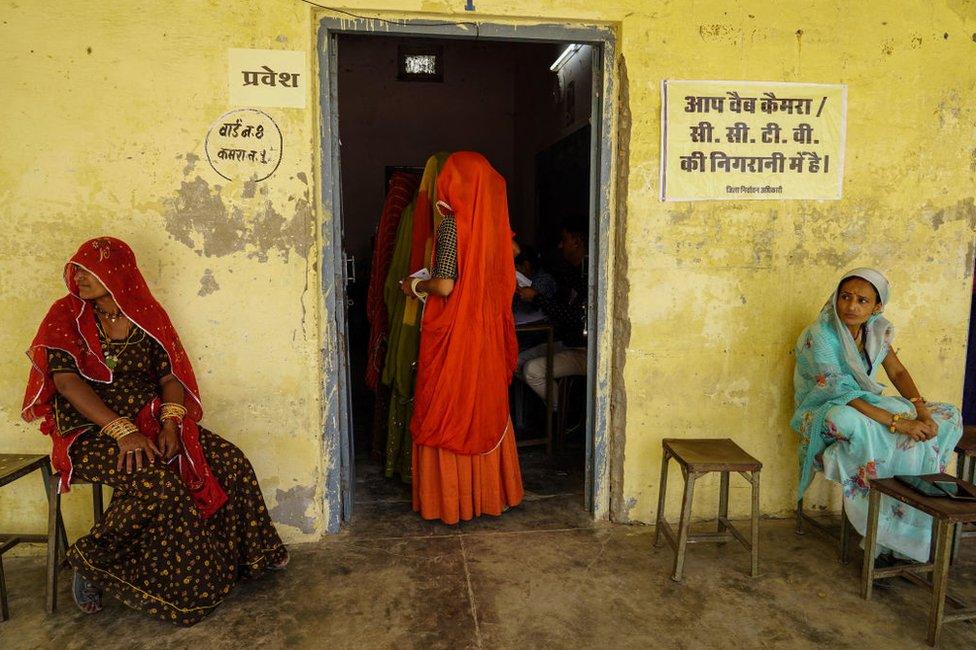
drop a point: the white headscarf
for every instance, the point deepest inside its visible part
(876, 329)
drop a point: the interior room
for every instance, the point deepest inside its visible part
(526, 107)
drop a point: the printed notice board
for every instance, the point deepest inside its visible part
(733, 140)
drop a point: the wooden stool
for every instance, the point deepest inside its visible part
(57, 538)
(966, 470)
(697, 458)
(12, 467)
(947, 513)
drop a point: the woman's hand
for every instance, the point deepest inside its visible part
(931, 428)
(169, 439)
(914, 429)
(405, 287)
(135, 452)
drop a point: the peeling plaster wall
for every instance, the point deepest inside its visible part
(714, 293)
(720, 291)
(108, 105)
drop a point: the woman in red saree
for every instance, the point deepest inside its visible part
(465, 461)
(117, 395)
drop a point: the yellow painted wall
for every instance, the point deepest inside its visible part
(109, 141)
(106, 107)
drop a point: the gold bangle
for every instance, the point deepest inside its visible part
(108, 427)
(119, 428)
(894, 418)
(172, 410)
(916, 400)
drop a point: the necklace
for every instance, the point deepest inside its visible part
(112, 356)
(112, 318)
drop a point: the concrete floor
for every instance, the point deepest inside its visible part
(540, 576)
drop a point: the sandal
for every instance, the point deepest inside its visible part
(280, 566)
(88, 597)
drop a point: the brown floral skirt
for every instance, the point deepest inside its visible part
(152, 550)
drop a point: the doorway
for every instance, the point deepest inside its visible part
(498, 96)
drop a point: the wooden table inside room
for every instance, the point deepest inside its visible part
(547, 329)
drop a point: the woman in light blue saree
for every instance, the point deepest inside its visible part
(852, 432)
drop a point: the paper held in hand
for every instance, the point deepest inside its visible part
(423, 274)
(521, 280)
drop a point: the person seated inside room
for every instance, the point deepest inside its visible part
(565, 310)
(117, 395)
(854, 433)
(529, 264)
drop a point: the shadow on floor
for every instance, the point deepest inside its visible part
(542, 575)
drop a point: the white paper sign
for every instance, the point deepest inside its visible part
(736, 140)
(274, 78)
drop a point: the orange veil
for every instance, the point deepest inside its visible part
(468, 348)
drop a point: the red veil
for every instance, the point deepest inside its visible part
(402, 188)
(468, 349)
(70, 326)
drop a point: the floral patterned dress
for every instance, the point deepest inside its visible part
(851, 448)
(864, 449)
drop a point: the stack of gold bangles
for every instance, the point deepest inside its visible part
(174, 411)
(119, 428)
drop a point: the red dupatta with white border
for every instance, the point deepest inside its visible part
(70, 326)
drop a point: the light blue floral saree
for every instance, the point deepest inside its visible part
(851, 448)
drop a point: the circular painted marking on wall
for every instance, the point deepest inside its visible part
(244, 144)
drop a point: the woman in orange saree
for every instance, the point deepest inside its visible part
(465, 461)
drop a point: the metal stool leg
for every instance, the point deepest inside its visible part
(4, 610)
(519, 404)
(61, 533)
(7, 544)
(940, 580)
(97, 503)
(683, 526)
(723, 502)
(845, 535)
(562, 390)
(662, 492)
(870, 544)
(964, 470)
(54, 526)
(755, 523)
(799, 517)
